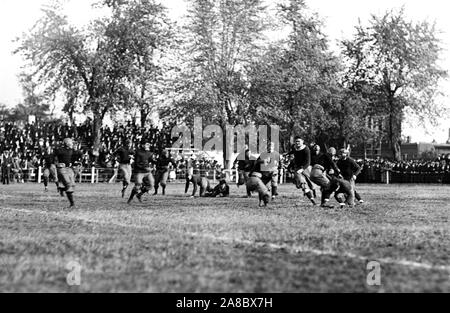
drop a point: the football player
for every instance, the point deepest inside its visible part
(64, 161)
(144, 180)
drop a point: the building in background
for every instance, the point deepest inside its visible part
(379, 146)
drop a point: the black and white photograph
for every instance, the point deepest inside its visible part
(224, 151)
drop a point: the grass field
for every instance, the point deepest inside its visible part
(177, 244)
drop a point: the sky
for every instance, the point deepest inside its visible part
(340, 17)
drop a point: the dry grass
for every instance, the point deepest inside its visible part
(176, 244)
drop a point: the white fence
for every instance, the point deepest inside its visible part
(108, 175)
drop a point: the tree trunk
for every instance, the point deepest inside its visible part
(72, 122)
(144, 116)
(96, 131)
(397, 149)
(226, 163)
(395, 134)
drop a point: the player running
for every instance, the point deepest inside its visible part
(64, 161)
(245, 166)
(50, 170)
(322, 165)
(301, 165)
(164, 164)
(350, 171)
(123, 155)
(269, 165)
(144, 180)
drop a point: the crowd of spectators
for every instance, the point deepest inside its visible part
(22, 146)
(412, 171)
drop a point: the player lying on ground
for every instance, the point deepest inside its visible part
(220, 191)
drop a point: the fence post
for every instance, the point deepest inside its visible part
(93, 175)
(215, 175)
(388, 178)
(39, 175)
(236, 174)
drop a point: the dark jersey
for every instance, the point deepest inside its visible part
(246, 165)
(142, 161)
(302, 158)
(221, 190)
(163, 163)
(325, 160)
(123, 156)
(47, 160)
(67, 156)
(349, 168)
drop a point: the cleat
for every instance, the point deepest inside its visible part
(361, 202)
